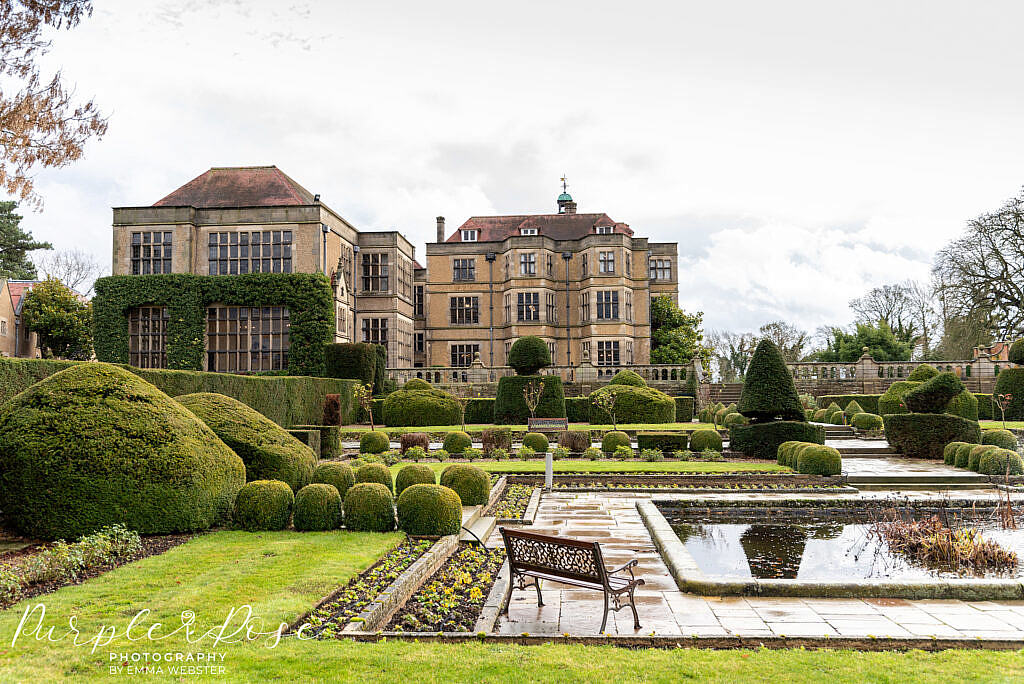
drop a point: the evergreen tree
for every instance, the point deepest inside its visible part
(675, 335)
(768, 389)
(61, 319)
(15, 244)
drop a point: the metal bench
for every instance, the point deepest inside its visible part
(569, 561)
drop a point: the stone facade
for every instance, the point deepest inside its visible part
(14, 341)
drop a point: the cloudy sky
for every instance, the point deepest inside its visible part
(799, 152)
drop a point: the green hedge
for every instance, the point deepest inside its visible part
(355, 361)
(472, 484)
(308, 297)
(415, 408)
(868, 402)
(964, 405)
(665, 441)
(317, 508)
(369, 507)
(339, 475)
(536, 441)
(819, 460)
(974, 459)
(762, 440)
(375, 472)
(933, 396)
(374, 442)
(480, 411)
(456, 441)
(1010, 381)
(310, 437)
(986, 409)
(510, 407)
(634, 405)
(924, 435)
(1001, 462)
(962, 454)
(892, 398)
(684, 409)
(429, 510)
(867, 421)
(263, 505)
(1000, 438)
(577, 409)
(330, 439)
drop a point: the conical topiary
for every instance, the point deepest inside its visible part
(768, 388)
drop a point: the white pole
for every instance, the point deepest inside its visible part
(549, 466)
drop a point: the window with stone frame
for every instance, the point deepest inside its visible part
(239, 252)
(151, 252)
(418, 302)
(147, 336)
(661, 269)
(463, 354)
(404, 278)
(552, 349)
(3, 327)
(528, 264)
(464, 310)
(585, 306)
(607, 305)
(550, 310)
(242, 339)
(375, 272)
(629, 306)
(508, 308)
(606, 262)
(608, 353)
(464, 269)
(585, 349)
(420, 346)
(629, 351)
(528, 306)
(584, 265)
(551, 266)
(604, 230)
(375, 330)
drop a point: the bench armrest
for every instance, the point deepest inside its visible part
(628, 566)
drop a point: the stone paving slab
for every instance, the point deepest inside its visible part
(664, 610)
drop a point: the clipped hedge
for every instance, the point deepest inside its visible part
(480, 411)
(420, 407)
(964, 405)
(317, 508)
(613, 439)
(263, 505)
(868, 402)
(374, 442)
(634, 405)
(339, 475)
(413, 474)
(627, 377)
(891, 400)
(510, 407)
(577, 409)
(330, 439)
(987, 410)
(923, 373)
(1003, 439)
(429, 510)
(369, 507)
(472, 484)
(867, 421)
(267, 450)
(684, 409)
(924, 435)
(456, 442)
(528, 355)
(852, 409)
(1010, 381)
(663, 441)
(1001, 462)
(933, 396)
(949, 452)
(821, 415)
(762, 440)
(356, 361)
(734, 419)
(963, 454)
(94, 445)
(975, 454)
(309, 437)
(377, 473)
(768, 388)
(819, 460)
(705, 439)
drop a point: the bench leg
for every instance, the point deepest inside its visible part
(604, 620)
(540, 599)
(632, 604)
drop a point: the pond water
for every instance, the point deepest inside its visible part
(821, 546)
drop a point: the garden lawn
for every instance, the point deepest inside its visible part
(654, 427)
(996, 424)
(282, 574)
(575, 466)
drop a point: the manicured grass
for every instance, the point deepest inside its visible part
(994, 424)
(281, 574)
(655, 427)
(616, 466)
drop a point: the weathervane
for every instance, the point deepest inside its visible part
(565, 187)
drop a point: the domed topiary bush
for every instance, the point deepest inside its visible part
(933, 396)
(963, 454)
(1001, 462)
(429, 510)
(339, 475)
(720, 414)
(925, 435)
(633, 405)
(1016, 353)
(94, 445)
(1010, 381)
(528, 355)
(375, 472)
(705, 439)
(964, 405)
(413, 475)
(768, 389)
(369, 507)
(375, 442)
(266, 449)
(866, 421)
(762, 440)
(974, 457)
(949, 452)
(922, 373)
(317, 508)
(628, 377)
(1003, 439)
(733, 419)
(423, 406)
(891, 401)
(838, 418)
(456, 442)
(819, 460)
(821, 415)
(852, 409)
(613, 440)
(472, 484)
(263, 505)
(416, 384)
(536, 441)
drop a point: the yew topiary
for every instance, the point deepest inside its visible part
(338, 475)
(375, 442)
(456, 442)
(934, 395)
(413, 475)
(263, 505)
(1000, 438)
(369, 507)
(768, 389)
(1001, 462)
(528, 355)
(923, 373)
(317, 508)
(536, 441)
(429, 510)
(628, 377)
(472, 484)
(375, 472)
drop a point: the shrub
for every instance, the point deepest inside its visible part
(831, 410)
(355, 463)
(1003, 439)
(838, 418)
(734, 419)
(416, 407)
(375, 472)
(1010, 381)
(711, 455)
(975, 454)
(415, 454)
(922, 373)
(411, 439)
(934, 395)
(263, 505)
(1016, 353)
(416, 384)
(768, 388)
(634, 405)
(94, 445)
(964, 405)
(821, 415)
(593, 453)
(949, 452)
(782, 455)
(525, 453)
(317, 508)
(499, 454)
(472, 453)
(266, 449)
(628, 377)
(683, 454)
(664, 441)
(652, 455)
(429, 510)
(310, 437)
(623, 452)
(510, 407)
(456, 442)
(1001, 462)
(684, 409)
(892, 400)
(496, 438)
(720, 414)
(369, 507)
(577, 409)
(809, 413)
(559, 453)
(705, 439)
(536, 441)
(852, 409)
(339, 475)
(866, 421)
(480, 410)
(613, 440)
(868, 402)
(819, 460)
(332, 410)
(441, 455)
(357, 361)
(808, 401)
(924, 435)
(574, 440)
(528, 355)
(412, 475)
(330, 439)
(762, 440)
(963, 455)
(375, 442)
(471, 484)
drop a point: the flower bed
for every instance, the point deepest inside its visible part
(329, 618)
(755, 486)
(450, 601)
(513, 502)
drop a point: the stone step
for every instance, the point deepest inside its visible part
(922, 479)
(868, 450)
(913, 486)
(482, 528)
(470, 514)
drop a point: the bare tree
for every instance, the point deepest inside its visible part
(789, 339)
(921, 302)
(73, 267)
(890, 304)
(732, 352)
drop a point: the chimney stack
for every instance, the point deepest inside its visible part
(440, 228)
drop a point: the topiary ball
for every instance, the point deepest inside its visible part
(866, 421)
(369, 507)
(375, 472)
(429, 510)
(963, 454)
(528, 355)
(613, 440)
(949, 452)
(628, 377)
(821, 415)
(413, 475)
(536, 441)
(339, 475)
(375, 442)
(1001, 462)
(922, 373)
(472, 484)
(734, 419)
(705, 439)
(838, 418)
(94, 445)
(263, 505)
(819, 460)
(1004, 439)
(974, 458)
(416, 384)
(317, 508)
(1016, 353)
(456, 442)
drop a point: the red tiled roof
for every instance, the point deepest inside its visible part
(241, 186)
(18, 288)
(416, 264)
(555, 226)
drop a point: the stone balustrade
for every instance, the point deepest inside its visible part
(869, 376)
(656, 375)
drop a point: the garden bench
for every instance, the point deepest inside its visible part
(569, 561)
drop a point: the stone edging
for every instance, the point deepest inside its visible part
(497, 491)
(710, 490)
(690, 578)
(495, 602)
(528, 515)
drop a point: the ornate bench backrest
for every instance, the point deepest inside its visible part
(570, 558)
